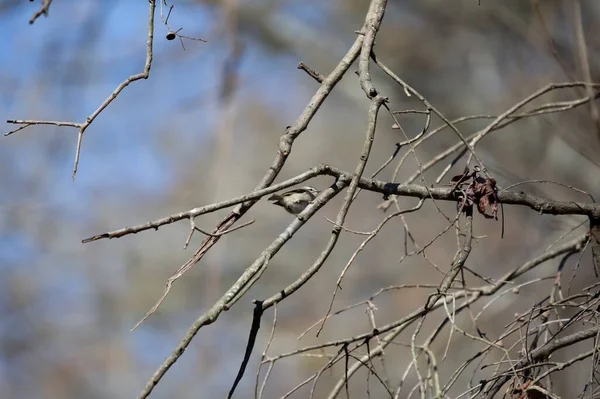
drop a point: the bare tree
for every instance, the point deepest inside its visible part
(488, 321)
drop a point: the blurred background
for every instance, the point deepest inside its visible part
(204, 127)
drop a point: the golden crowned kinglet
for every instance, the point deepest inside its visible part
(294, 201)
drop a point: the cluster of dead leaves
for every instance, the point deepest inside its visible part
(480, 191)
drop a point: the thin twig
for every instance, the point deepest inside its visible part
(82, 126)
(314, 74)
(44, 8)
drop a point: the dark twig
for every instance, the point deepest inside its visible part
(257, 315)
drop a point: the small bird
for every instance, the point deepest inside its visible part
(294, 201)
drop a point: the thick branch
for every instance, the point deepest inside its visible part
(541, 204)
(285, 147)
(372, 25)
(318, 170)
(242, 283)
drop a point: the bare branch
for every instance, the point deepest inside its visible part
(44, 8)
(81, 127)
(243, 281)
(542, 353)
(540, 204)
(314, 74)
(193, 213)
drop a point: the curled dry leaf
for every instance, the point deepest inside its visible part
(486, 195)
(481, 191)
